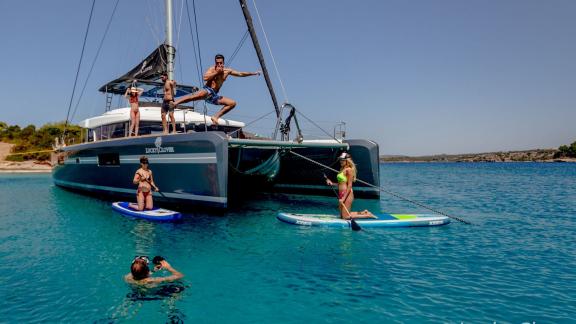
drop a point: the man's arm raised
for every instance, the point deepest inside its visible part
(242, 74)
(175, 273)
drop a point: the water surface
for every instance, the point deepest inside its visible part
(63, 255)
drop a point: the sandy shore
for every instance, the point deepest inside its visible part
(20, 167)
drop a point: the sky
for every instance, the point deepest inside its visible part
(418, 77)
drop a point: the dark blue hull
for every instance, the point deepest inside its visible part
(203, 169)
(188, 168)
(298, 175)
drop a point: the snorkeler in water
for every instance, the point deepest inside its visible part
(140, 272)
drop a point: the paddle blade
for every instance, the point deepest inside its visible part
(355, 226)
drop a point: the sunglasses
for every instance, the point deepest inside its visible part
(144, 162)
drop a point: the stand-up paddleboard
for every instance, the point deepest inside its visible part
(155, 214)
(383, 220)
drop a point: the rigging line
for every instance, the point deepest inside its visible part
(193, 43)
(270, 51)
(179, 60)
(79, 65)
(94, 61)
(197, 37)
(252, 122)
(180, 25)
(152, 29)
(322, 129)
(386, 191)
(238, 47)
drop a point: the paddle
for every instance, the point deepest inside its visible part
(157, 190)
(353, 224)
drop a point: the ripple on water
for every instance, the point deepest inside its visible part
(63, 257)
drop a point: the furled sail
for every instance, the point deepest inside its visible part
(147, 74)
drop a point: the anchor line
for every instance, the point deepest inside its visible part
(387, 191)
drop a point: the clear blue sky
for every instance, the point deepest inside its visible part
(418, 77)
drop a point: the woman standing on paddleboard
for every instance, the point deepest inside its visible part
(345, 178)
(143, 178)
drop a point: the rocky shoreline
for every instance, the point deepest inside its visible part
(540, 155)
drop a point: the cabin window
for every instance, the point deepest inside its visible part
(108, 159)
(113, 131)
(147, 128)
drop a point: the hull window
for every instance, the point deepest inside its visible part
(108, 159)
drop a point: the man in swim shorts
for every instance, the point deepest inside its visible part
(214, 78)
(167, 107)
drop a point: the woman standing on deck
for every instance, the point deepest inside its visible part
(133, 96)
(143, 178)
(345, 178)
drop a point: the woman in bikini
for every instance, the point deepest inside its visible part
(345, 179)
(143, 178)
(133, 96)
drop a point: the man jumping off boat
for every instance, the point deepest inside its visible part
(214, 78)
(167, 107)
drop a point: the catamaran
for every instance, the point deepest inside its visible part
(202, 163)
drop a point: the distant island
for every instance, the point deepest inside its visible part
(563, 154)
(29, 148)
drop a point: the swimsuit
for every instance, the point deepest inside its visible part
(213, 96)
(145, 193)
(341, 177)
(133, 98)
(166, 106)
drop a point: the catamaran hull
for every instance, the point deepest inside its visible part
(300, 175)
(207, 168)
(188, 168)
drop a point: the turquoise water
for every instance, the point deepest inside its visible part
(63, 255)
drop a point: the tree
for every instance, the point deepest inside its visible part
(566, 151)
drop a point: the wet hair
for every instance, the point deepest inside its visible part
(143, 159)
(219, 56)
(139, 269)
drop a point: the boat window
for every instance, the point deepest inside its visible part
(148, 127)
(113, 131)
(108, 159)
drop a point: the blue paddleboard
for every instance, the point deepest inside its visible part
(383, 220)
(155, 214)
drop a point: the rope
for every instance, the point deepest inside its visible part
(240, 44)
(252, 122)
(270, 51)
(193, 43)
(322, 129)
(94, 61)
(386, 191)
(179, 25)
(78, 69)
(152, 29)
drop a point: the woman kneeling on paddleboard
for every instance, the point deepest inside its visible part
(345, 179)
(143, 178)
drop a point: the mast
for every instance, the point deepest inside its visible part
(248, 19)
(170, 60)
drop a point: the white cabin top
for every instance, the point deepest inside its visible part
(152, 114)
